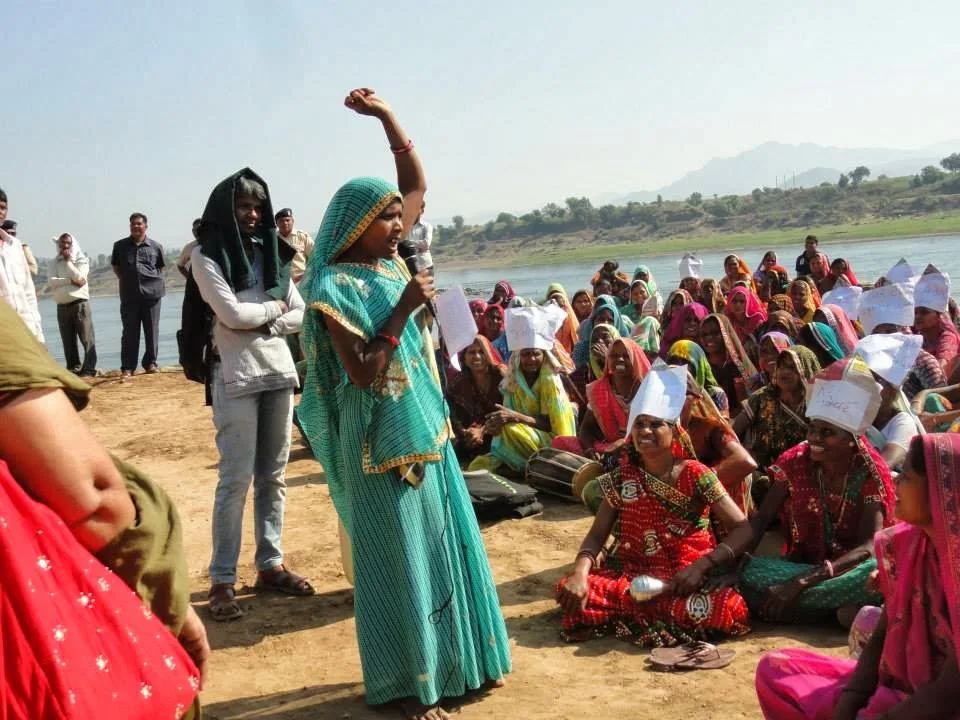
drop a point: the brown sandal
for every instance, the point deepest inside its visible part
(692, 656)
(281, 580)
(223, 603)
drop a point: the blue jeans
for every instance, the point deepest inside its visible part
(253, 437)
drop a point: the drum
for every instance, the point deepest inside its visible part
(560, 473)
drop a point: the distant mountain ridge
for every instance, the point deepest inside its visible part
(773, 163)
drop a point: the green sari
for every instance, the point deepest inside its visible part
(428, 619)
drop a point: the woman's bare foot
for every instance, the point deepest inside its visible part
(413, 709)
(494, 684)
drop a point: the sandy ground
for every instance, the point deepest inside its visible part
(297, 657)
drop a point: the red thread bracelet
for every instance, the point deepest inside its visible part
(403, 149)
(389, 339)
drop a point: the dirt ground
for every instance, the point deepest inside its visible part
(291, 658)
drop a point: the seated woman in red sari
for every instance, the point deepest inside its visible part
(745, 312)
(831, 493)
(604, 424)
(908, 668)
(840, 274)
(730, 363)
(473, 396)
(661, 504)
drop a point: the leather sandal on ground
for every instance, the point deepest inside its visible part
(223, 603)
(281, 580)
(692, 656)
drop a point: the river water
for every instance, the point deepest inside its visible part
(869, 259)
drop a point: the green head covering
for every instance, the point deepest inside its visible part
(804, 360)
(651, 283)
(553, 289)
(353, 207)
(220, 239)
(696, 358)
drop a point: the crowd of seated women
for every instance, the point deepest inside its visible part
(753, 431)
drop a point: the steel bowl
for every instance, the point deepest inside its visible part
(644, 587)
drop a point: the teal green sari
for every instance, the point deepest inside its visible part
(428, 618)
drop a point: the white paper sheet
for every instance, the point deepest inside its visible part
(456, 322)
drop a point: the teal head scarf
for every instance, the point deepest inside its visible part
(581, 351)
(651, 283)
(353, 208)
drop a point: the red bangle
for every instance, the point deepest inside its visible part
(403, 149)
(389, 339)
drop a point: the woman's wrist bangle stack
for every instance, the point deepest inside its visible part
(588, 554)
(405, 148)
(389, 339)
(729, 550)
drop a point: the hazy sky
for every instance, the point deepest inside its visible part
(111, 108)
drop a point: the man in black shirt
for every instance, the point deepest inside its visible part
(138, 263)
(809, 250)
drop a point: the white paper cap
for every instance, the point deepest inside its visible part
(901, 272)
(850, 403)
(661, 395)
(847, 298)
(689, 266)
(890, 356)
(933, 291)
(530, 328)
(888, 304)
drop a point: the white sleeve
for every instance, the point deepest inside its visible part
(223, 301)
(291, 321)
(900, 430)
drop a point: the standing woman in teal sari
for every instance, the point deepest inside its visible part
(428, 619)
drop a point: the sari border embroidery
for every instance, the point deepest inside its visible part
(370, 469)
(341, 320)
(364, 223)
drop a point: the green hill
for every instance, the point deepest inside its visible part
(925, 204)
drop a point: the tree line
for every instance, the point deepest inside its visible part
(579, 213)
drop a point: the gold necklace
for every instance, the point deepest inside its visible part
(843, 495)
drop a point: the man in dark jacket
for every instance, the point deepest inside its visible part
(138, 263)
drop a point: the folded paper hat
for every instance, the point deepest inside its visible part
(850, 402)
(661, 395)
(890, 356)
(690, 267)
(901, 272)
(933, 290)
(847, 298)
(531, 328)
(891, 304)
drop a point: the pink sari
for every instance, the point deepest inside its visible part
(923, 628)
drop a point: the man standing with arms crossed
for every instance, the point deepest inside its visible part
(138, 264)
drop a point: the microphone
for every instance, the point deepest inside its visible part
(408, 253)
